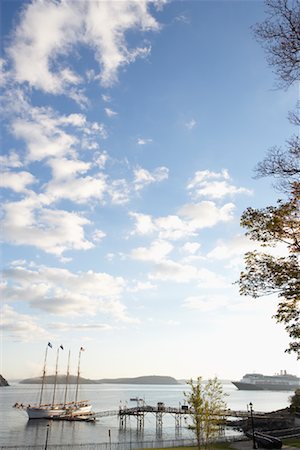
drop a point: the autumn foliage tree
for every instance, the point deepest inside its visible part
(265, 273)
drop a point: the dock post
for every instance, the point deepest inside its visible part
(140, 418)
(159, 423)
(177, 425)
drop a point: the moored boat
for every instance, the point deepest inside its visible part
(58, 410)
(76, 408)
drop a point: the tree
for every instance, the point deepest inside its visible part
(295, 401)
(206, 402)
(265, 273)
(279, 35)
(283, 164)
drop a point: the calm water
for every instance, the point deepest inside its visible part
(15, 429)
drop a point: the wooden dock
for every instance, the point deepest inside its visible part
(160, 410)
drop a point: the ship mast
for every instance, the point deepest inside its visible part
(44, 372)
(56, 372)
(67, 378)
(78, 374)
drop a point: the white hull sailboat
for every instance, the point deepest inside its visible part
(58, 411)
(66, 410)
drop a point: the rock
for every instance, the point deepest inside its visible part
(3, 381)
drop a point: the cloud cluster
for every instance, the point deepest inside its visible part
(143, 177)
(48, 134)
(49, 31)
(177, 272)
(56, 142)
(190, 219)
(157, 251)
(59, 177)
(30, 222)
(20, 327)
(63, 292)
(205, 303)
(215, 185)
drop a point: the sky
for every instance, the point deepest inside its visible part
(130, 135)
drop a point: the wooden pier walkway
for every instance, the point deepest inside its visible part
(160, 410)
(133, 411)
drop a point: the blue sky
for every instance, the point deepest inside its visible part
(130, 134)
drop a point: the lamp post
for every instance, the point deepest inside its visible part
(109, 438)
(47, 436)
(252, 424)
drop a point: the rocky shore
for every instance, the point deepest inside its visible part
(279, 423)
(3, 381)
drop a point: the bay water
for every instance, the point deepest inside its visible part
(17, 430)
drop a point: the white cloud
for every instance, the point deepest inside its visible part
(206, 214)
(110, 113)
(191, 218)
(48, 134)
(101, 159)
(214, 185)
(206, 303)
(29, 222)
(77, 120)
(143, 177)
(178, 272)
(143, 224)
(45, 31)
(20, 327)
(43, 138)
(213, 280)
(16, 181)
(202, 175)
(49, 30)
(142, 141)
(142, 286)
(191, 247)
(106, 98)
(236, 246)
(11, 160)
(98, 235)
(119, 191)
(157, 251)
(173, 227)
(77, 189)
(173, 271)
(63, 326)
(4, 74)
(191, 124)
(62, 292)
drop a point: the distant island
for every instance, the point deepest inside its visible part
(61, 379)
(3, 381)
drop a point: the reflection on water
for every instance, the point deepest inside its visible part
(15, 429)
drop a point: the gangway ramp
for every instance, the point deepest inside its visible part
(114, 412)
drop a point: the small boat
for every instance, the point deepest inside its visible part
(259, 382)
(65, 410)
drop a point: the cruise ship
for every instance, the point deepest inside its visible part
(258, 382)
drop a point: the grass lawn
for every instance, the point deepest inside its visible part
(217, 446)
(293, 442)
